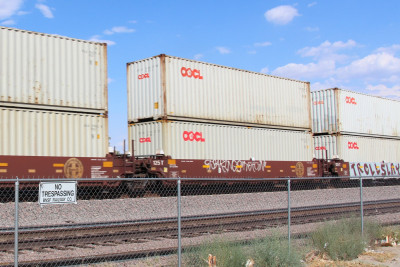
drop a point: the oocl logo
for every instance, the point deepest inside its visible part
(145, 140)
(193, 136)
(352, 145)
(350, 100)
(320, 148)
(188, 72)
(143, 76)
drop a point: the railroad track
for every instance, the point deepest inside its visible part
(81, 235)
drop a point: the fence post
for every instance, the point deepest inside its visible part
(16, 217)
(362, 206)
(179, 224)
(288, 200)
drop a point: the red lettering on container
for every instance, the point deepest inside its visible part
(352, 145)
(320, 148)
(350, 100)
(191, 136)
(188, 72)
(145, 140)
(321, 102)
(143, 76)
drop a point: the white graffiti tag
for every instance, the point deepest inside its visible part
(226, 166)
(374, 168)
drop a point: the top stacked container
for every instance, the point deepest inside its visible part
(337, 111)
(44, 71)
(165, 87)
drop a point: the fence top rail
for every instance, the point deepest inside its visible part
(280, 179)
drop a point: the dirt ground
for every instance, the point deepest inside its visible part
(378, 256)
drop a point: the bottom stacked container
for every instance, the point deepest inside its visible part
(357, 148)
(35, 132)
(367, 156)
(194, 140)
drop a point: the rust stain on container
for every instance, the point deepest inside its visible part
(37, 88)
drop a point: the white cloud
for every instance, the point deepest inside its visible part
(263, 44)
(119, 29)
(321, 69)
(265, 70)
(22, 13)
(9, 8)
(110, 80)
(372, 67)
(312, 4)
(326, 49)
(384, 91)
(133, 21)
(97, 38)
(223, 50)
(379, 71)
(198, 56)
(46, 11)
(390, 49)
(327, 83)
(8, 22)
(312, 29)
(281, 15)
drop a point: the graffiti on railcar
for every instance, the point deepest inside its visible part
(366, 169)
(226, 166)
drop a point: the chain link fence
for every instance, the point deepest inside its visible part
(112, 221)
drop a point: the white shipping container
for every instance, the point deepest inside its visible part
(43, 69)
(190, 140)
(340, 111)
(27, 132)
(175, 88)
(352, 148)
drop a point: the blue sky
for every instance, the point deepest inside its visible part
(349, 44)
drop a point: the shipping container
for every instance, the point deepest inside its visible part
(166, 87)
(341, 111)
(31, 132)
(190, 140)
(352, 148)
(39, 69)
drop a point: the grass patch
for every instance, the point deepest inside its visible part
(342, 240)
(227, 254)
(335, 242)
(274, 252)
(271, 251)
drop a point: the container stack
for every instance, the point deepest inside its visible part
(355, 127)
(53, 95)
(197, 110)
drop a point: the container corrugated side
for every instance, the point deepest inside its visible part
(190, 140)
(171, 87)
(341, 111)
(42, 69)
(353, 148)
(25, 132)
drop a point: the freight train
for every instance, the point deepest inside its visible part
(186, 119)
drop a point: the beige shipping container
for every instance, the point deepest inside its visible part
(27, 132)
(341, 111)
(166, 87)
(190, 140)
(39, 69)
(353, 148)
